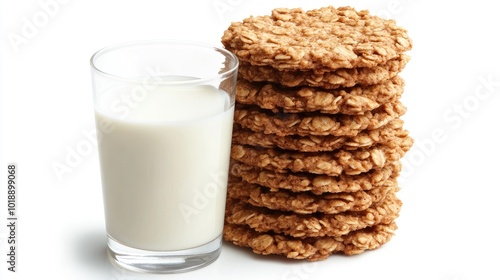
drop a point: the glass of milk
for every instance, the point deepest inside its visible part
(164, 113)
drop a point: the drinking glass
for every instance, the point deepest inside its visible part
(164, 114)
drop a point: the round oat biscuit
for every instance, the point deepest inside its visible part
(311, 249)
(332, 164)
(326, 39)
(311, 225)
(350, 101)
(305, 124)
(306, 202)
(316, 184)
(362, 76)
(313, 143)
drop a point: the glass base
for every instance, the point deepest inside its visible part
(163, 262)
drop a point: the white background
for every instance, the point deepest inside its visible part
(450, 189)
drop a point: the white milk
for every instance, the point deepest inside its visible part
(164, 163)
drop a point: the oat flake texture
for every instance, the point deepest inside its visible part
(318, 136)
(326, 39)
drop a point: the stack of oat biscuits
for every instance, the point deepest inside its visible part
(317, 136)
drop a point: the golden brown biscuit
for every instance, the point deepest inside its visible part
(332, 164)
(323, 39)
(312, 225)
(350, 101)
(304, 124)
(316, 184)
(313, 143)
(306, 202)
(362, 76)
(311, 249)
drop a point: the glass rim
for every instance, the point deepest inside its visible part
(109, 48)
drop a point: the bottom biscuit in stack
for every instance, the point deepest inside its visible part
(312, 249)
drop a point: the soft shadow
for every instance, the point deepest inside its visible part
(92, 255)
(91, 251)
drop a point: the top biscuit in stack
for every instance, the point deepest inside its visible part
(329, 47)
(317, 134)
